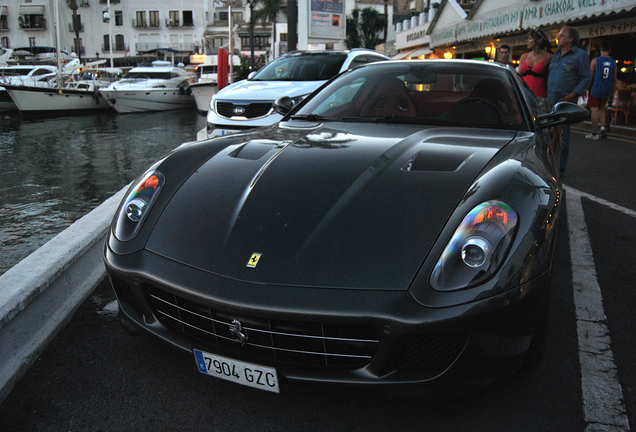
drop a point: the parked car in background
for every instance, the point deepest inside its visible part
(394, 230)
(248, 103)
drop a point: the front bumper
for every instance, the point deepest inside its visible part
(383, 339)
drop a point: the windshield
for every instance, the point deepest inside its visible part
(306, 67)
(437, 92)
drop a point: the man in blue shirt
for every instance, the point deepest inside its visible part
(603, 70)
(568, 78)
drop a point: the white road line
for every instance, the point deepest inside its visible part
(603, 406)
(606, 203)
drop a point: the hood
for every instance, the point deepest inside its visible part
(325, 206)
(266, 90)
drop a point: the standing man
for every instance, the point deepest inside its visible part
(603, 70)
(504, 55)
(569, 77)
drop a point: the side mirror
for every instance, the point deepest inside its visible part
(283, 105)
(563, 113)
(251, 75)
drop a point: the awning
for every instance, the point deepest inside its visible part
(31, 10)
(403, 54)
(420, 52)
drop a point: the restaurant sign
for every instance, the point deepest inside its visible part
(526, 15)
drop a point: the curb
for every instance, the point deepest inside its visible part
(39, 295)
(621, 130)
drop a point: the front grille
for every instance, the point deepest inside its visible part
(252, 109)
(281, 341)
(429, 351)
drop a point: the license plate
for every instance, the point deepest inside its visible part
(223, 132)
(247, 374)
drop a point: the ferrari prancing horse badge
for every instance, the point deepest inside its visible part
(254, 259)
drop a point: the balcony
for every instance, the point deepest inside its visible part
(172, 23)
(39, 25)
(72, 29)
(139, 23)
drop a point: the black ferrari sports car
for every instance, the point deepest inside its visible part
(395, 230)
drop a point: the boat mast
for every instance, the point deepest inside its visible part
(110, 35)
(57, 40)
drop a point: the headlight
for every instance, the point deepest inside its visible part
(477, 248)
(212, 103)
(137, 204)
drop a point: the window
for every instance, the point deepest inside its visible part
(260, 42)
(32, 22)
(119, 43)
(154, 18)
(141, 19)
(4, 42)
(32, 42)
(173, 20)
(188, 21)
(218, 42)
(106, 46)
(119, 18)
(4, 23)
(76, 25)
(236, 16)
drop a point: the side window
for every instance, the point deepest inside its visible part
(373, 59)
(358, 61)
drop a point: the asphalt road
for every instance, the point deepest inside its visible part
(94, 377)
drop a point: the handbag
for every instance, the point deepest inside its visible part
(583, 101)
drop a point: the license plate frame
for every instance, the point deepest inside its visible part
(236, 371)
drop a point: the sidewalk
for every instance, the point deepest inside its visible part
(624, 130)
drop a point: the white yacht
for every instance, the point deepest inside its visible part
(76, 93)
(160, 87)
(23, 75)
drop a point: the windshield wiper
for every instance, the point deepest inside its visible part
(310, 117)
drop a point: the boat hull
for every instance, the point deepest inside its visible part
(6, 103)
(131, 101)
(42, 99)
(202, 93)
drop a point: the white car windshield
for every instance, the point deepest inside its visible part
(306, 67)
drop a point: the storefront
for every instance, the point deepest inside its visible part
(480, 34)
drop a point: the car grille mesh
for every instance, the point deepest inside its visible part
(252, 109)
(282, 341)
(429, 351)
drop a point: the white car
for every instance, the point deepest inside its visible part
(248, 103)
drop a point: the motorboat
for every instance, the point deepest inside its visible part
(23, 75)
(73, 93)
(207, 82)
(159, 87)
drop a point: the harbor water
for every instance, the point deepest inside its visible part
(54, 171)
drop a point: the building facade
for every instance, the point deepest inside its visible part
(476, 29)
(127, 29)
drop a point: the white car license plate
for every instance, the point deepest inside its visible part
(247, 374)
(223, 132)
